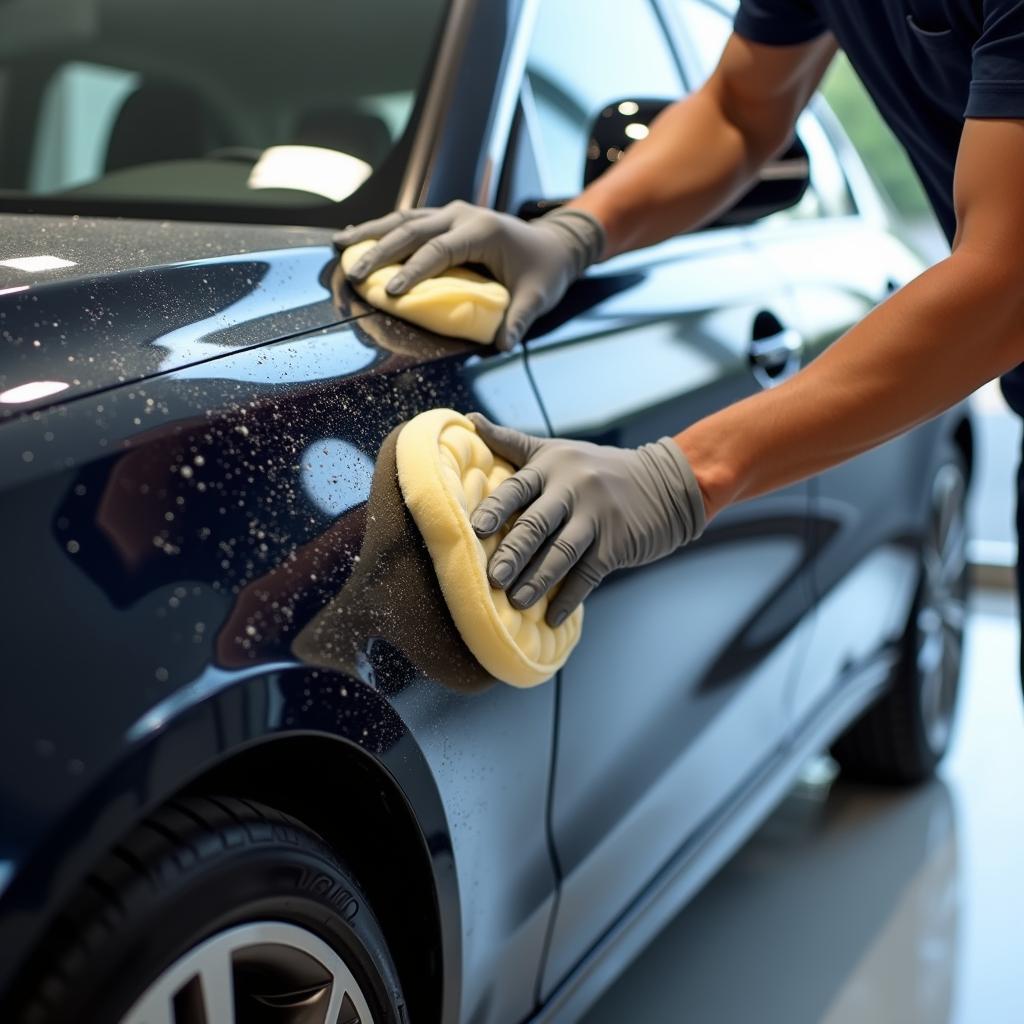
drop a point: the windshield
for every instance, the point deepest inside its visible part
(296, 111)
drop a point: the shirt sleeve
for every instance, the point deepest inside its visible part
(779, 22)
(997, 62)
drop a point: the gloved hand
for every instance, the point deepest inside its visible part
(589, 509)
(536, 261)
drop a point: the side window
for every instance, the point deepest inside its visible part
(706, 29)
(579, 64)
(832, 196)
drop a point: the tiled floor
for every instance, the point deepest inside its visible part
(854, 906)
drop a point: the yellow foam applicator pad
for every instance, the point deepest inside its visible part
(459, 303)
(444, 471)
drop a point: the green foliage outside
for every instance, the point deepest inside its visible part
(884, 156)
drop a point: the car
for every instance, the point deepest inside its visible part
(245, 771)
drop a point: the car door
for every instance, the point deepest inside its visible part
(865, 512)
(676, 693)
(839, 261)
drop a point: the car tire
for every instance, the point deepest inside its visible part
(901, 739)
(213, 901)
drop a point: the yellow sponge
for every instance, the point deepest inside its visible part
(459, 303)
(444, 471)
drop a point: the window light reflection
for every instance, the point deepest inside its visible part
(32, 391)
(324, 172)
(37, 264)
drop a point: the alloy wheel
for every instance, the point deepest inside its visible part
(942, 606)
(265, 972)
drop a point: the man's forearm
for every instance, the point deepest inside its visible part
(945, 334)
(692, 166)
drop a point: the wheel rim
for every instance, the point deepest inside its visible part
(266, 971)
(942, 607)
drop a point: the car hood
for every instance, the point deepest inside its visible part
(90, 303)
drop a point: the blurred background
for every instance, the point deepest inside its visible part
(993, 537)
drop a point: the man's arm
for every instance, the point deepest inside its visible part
(957, 326)
(704, 152)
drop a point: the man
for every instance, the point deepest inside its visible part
(948, 76)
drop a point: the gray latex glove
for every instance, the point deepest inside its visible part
(588, 509)
(536, 260)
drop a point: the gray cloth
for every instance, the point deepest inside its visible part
(392, 597)
(587, 509)
(536, 261)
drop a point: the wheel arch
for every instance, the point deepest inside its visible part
(396, 874)
(247, 734)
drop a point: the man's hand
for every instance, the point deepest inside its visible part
(588, 509)
(536, 261)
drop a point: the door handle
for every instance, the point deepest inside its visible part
(777, 357)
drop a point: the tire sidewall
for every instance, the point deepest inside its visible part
(889, 742)
(292, 878)
(910, 675)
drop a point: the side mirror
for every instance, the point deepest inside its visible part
(614, 130)
(781, 185)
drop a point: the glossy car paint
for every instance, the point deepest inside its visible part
(135, 302)
(865, 514)
(204, 516)
(175, 520)
(699, 690)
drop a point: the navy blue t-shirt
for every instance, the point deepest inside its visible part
(928, 64)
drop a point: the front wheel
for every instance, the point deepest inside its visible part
(903, 737)
(217, 911)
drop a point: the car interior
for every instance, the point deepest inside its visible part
(180, 101)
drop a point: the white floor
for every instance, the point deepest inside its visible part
(993, 499)
(853, 906)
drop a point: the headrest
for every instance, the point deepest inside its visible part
(160, 122)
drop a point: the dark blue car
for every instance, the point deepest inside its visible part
(248, 771)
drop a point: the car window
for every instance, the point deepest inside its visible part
(77, 111)
(256, 104)
(577, 65)
(830, 190)
(705, 30)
